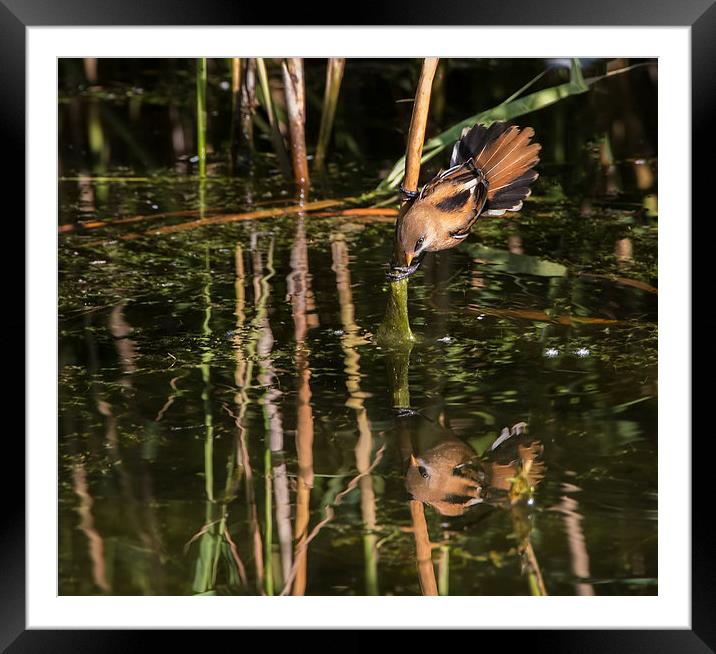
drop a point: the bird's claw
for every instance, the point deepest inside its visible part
(396, 273)
(408, 195)
(405, 412)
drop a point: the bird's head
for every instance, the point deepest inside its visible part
(414, 237)
(446, 478)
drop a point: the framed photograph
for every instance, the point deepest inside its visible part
(358, 315)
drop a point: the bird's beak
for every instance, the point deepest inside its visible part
(409, 256)
(413, 460)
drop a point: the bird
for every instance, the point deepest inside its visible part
(447, 476)
(451, 477)
(491, 170)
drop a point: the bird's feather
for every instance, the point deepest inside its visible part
(506, 157)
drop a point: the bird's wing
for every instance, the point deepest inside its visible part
(457, 196)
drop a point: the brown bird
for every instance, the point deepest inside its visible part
(447, 476)
(490, 171)
(451, 477)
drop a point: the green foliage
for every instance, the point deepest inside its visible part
(513, 107)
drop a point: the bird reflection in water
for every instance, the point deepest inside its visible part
(449, 475)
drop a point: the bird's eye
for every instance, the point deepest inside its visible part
(423, 472)
(419, 243)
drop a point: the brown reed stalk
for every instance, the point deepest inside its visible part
(418, 122)
(294, 89)
(395, 328)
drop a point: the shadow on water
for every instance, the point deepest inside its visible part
(229, 423)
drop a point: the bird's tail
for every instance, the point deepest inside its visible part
(506, 157)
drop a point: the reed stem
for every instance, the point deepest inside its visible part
(201, 75)
(248, 104)
(395, 329)
(295, 106)
(274, 133)
(418, 122)
(334, 75)
(235, 109)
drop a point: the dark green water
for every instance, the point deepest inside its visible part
(222, 393)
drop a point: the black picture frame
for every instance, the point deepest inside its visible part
(700, 15)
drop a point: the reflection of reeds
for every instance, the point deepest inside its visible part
(350, 340)
(95, 542)
(275, 475)
(205, 367)
(299, 290)
(569, 508)
(521, 489)
(532, 569)
(139, 515)
(211, 533)
(242, 378)
(329, 514)
(126, 347)
(444, 570)
(274, 428)
(215, 536)
(334, 75)
(170, 400)
(244, 462)
(423, 549)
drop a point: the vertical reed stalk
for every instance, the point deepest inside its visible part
(201, 114)
(418, 122)
(96, 137)
(248, 104)
(90, 67)
(334, 75)
(235, 109)
(395, 329)
(296, 108)
(275, 134)
(235, 84)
